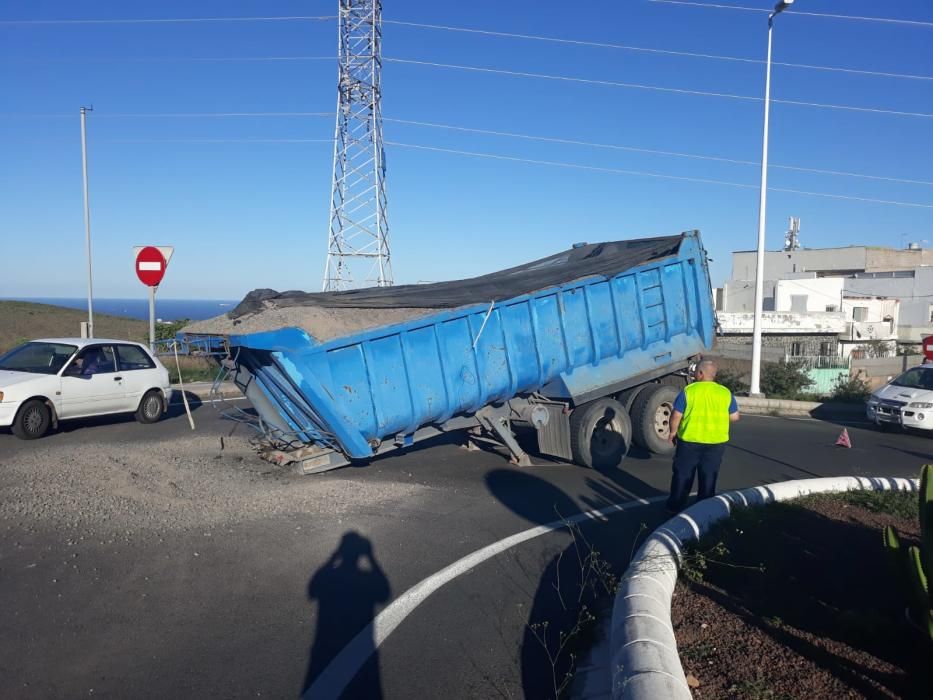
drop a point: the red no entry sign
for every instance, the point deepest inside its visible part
(150, 266)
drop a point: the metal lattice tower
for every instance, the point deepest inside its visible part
(358, 243)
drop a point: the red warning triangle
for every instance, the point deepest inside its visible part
(843, 439)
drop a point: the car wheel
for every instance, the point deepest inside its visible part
(883, 427)
(32, 421)
(150, 408)
(600, 434)
(651, 418)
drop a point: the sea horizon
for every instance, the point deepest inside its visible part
(166, 309)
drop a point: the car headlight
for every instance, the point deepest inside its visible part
(921, 404)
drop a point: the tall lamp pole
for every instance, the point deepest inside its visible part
(755, 386)
(87, 224)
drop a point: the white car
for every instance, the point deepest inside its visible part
(45, 381)
(906, 400)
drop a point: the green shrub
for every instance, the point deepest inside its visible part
(849, 388)
(167, 331)
(732, 380)
(784, 380)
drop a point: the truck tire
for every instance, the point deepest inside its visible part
(651, 418)
(600, 433)
(32, 421)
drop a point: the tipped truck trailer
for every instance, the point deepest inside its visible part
(588, 347)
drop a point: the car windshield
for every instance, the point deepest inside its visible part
(916, 378)
(39, 358)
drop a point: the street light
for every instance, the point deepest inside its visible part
(755, 388)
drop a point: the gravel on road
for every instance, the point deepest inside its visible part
(188, 482)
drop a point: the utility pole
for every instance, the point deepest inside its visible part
(358, 241)
(87, 224)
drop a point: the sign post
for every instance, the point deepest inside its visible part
(151, 263)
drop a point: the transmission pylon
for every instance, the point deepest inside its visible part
(358, 243)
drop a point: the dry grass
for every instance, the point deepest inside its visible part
(21, 321)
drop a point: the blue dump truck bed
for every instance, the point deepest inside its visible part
(588, 347)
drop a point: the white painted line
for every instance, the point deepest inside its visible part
(232, 398)
(143, 265)
(343, 667)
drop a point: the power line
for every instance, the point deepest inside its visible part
(472, 130)
(644, 49)
(886, 20)
(174, 59)
(639, 173)
(652, 151)
(655, 88)
(167, 20)
(220, 140)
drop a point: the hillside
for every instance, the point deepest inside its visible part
(21, 321)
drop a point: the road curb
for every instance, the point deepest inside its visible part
(202, 391)
(645, 664)
(796, 409)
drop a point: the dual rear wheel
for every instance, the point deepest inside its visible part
(602, 431)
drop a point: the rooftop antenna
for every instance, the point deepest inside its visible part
(358, 242)
(792, 237)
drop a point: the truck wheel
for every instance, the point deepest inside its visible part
(651, 418)
(150, 408)
(32, 421)
(600, 433)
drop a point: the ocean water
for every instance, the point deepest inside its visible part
(166, 309)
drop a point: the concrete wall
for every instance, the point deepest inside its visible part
(877, 371)
(831, 323)
(739, 295)
(777, 346)
(779, 264)
(887, 259)
(819, 294)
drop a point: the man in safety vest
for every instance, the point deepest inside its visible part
(700, 428)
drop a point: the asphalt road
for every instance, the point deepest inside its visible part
(251, 601)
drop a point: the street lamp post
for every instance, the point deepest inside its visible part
(87, 223)
(755, 386)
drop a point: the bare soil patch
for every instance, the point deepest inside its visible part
(804, 604)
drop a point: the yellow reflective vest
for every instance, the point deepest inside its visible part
(706, 418)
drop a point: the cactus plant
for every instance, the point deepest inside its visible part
(919, 592)
(915, 564)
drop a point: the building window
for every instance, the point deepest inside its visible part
(826, 349)
(859, 313)
(796, 349)
(830, 307)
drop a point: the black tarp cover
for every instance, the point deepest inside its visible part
(584, 261)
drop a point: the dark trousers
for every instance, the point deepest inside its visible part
(690, 458)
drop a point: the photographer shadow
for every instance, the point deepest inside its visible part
(348, 589)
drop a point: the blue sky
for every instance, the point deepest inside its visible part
(244, 215)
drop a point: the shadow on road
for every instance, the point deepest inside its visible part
(348, 588)
(175, 410)
(576, 583)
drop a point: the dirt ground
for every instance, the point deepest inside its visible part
(804, 604)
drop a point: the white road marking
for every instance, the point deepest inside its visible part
(343, 667)
(222, 400)
(804, 418)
